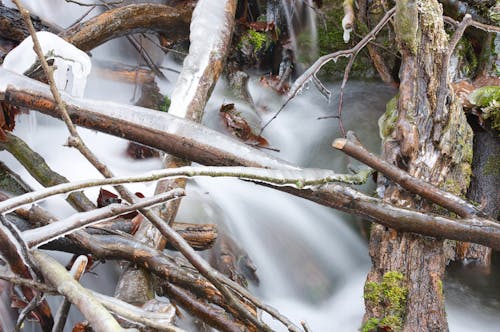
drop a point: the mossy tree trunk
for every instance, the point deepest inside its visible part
(431, 140)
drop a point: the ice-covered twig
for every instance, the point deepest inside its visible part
(301, 179)
(41, 235)
(303, 79)
(77, 270)
(56, 274)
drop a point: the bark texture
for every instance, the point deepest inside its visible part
(485, 190)
(431, 141)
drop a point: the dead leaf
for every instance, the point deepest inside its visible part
(239, 127)
(276, 83)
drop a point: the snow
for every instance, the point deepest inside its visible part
(72, 66)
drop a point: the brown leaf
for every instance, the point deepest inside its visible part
(82, 327)
(239, 127)
(106, 197)
(139, 151)
(274, 82)
(8, 115)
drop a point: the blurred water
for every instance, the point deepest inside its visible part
(311, 261)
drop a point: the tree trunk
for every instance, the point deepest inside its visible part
(431, 140)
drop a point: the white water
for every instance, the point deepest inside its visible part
(311, 262)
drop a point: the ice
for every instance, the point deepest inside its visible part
(72, 66)
(207, 26)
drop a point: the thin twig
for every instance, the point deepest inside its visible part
(476, 24)
(320, 62)
(41, 235)
(104, 4)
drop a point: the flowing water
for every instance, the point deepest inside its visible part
(311, 260)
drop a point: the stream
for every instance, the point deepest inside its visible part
(311, 260)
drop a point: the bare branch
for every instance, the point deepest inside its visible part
(352, 147)
(56, 274)
(94, 4)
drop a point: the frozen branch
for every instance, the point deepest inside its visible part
(76, 271)
(161, 321)
(41, 235)
(94, 312)
(300, 179)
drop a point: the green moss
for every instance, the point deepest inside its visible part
(440, 286)
(390, 295)
(387, 121)
(405, 24)
(494, 13)
(391, 323)
(258, 41)
(468, 60)
(165, 105)
(488, 99)
(370, 325)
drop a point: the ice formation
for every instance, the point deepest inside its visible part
(72, 66)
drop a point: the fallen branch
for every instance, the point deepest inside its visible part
(76, 271)
(352, 147)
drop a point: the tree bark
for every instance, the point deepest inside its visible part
(431, 140)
